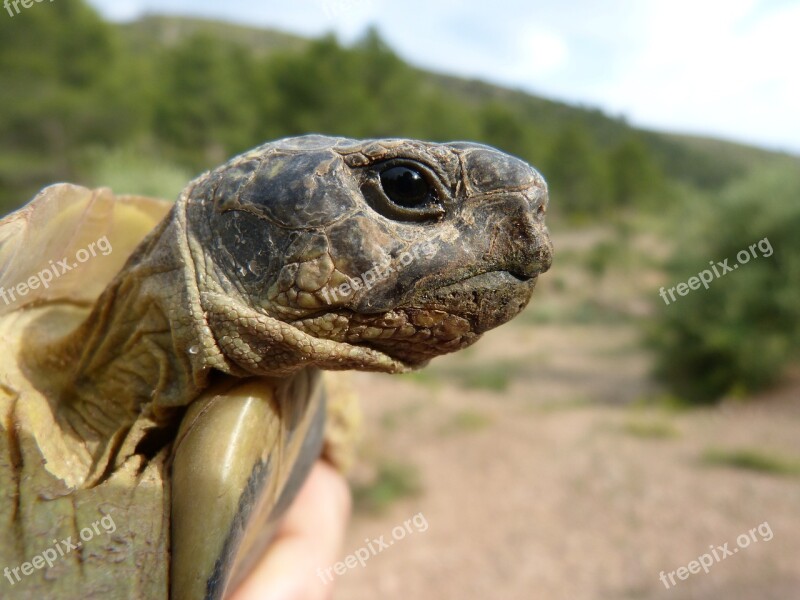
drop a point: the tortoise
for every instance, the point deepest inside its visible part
(163, 363)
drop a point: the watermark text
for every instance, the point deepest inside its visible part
(718, 269)
(56, 269)
(705, 561)
(418, 523)
(8, 4)
(59, 549)
(377, 273)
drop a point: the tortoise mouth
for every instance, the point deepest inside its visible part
(472, 305)
(483, 279)
(434, 321)
(497, 278)
(487, 300)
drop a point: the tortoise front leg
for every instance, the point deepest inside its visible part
(241, 455)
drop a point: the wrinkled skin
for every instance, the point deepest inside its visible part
(199, 363)
(469, 268)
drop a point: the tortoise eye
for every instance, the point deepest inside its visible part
(404, 190)
(405, 187)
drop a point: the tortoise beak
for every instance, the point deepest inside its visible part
(486, 300)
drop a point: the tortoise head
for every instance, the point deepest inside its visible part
(406, 249)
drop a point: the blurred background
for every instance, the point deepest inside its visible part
(603, 436)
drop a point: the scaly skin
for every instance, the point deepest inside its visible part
(290, 258)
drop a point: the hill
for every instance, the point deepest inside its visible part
(169, 31)
(698, 160)
(164, 97)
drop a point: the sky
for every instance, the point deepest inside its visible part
(723, 68)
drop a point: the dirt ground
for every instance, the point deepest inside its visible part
(551, 478)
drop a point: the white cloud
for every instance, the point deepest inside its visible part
(540, 52)
(121, 10)
(715, 67)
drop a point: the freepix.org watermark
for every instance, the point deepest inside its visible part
(718, 553)
(59, 549)
(717, 270)
(378, 273)
(56, 269)
(418, 523)
(7, 4)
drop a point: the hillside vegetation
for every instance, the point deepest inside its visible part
(145, 106)
(188, 93)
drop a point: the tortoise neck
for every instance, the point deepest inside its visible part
(128, 360)
(139, 352)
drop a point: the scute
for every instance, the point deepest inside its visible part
(62, 220)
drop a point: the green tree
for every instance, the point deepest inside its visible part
(634, 176)
(60, 90)
(318, 90)
(502, 127)
(740, 334)
(362, 91)
(205, 107)
(577, 174)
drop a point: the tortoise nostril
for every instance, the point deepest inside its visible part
(520, 276)
(536, 198)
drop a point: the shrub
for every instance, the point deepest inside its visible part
(738, 335)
